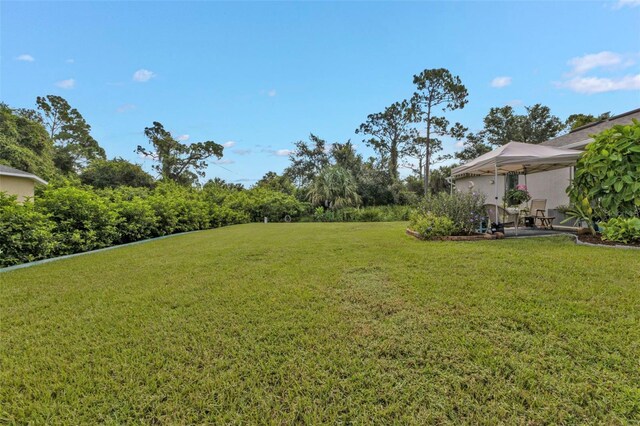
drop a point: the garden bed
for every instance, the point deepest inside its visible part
(597, 240)
(473, 237)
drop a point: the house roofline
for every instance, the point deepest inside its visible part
(29, 176)
(595, 123)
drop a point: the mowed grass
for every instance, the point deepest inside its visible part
(324, 323)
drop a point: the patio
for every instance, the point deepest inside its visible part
(526, 232)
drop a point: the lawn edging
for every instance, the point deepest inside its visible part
(68, 256)
(615, 246)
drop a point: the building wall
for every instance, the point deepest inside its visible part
(14, 185)
(483, 185)
(549, 185)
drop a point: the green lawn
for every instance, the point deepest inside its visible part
(324, 323)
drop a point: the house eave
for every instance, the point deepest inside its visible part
(32, 177)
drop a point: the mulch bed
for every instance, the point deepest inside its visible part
(597, 239)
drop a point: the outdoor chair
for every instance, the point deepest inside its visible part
(538, 209)
(504, 217)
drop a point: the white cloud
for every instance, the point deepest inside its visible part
(125, 108)
(501, 82)
(578, 81)
(226, 161)
(66, 84)
(283, 152)
(624, 3)
(229, 144)
(70, 61)
(272, 92)
(142, 75)
(582, 64)
(515, 103)
(183, 137)
(25, 58)
(242, 151)
(591, 85)
(460, 144)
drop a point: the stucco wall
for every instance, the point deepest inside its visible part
(13, 185)
(484, 185)
(549, 185)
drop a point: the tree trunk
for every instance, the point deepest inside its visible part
(393, 162)
(427, 152)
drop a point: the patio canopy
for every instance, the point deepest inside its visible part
(518, 157)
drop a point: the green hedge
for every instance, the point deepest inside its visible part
(68, 219)
(25, 234)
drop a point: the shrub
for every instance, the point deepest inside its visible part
(83, 220)
(223, 216)
(138, 220)
(428, 225)
(259, 203)
(25, 234)
(465, 209)
(178, 209)
(624, 230)
(608, 173)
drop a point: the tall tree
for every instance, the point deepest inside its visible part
(502, 125)
(114, 173)
(307, 160)
(345, 156)
(439, 181)
(276, 182)
(578, 120)
(25, 144)
(436, 89)
(74, 145)
(221, 184)
(178, 162)
(390, 133)
(474, 146)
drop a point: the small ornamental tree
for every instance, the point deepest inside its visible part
(607, 174)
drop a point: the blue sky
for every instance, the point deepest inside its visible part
(258, 76)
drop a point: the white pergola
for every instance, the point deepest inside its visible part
(517, 157)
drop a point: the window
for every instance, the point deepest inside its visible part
(512, 181)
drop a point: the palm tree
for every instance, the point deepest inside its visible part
(334, 187)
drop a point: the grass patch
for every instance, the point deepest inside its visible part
(324, 323)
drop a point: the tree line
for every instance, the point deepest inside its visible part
(54, 141)
(410, 133)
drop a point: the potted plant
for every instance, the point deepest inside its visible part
(515, 197)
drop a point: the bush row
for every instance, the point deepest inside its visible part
(71, 219)
(391, 213)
